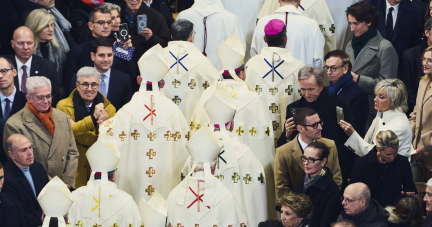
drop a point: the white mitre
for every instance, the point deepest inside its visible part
(153, 212)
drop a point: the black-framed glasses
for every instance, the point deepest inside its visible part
(333, 68)
(310, 160)
(87, 85)
(428, 60)
(315, 125)
(101, 22)
(4, 71)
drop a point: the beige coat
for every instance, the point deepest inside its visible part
(420, 121)
(58, 155)
(289, 169)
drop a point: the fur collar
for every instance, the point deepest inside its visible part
(393, 218)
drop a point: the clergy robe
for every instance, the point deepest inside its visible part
(305, 39)
(249, 189)
(147, 150)
(252, 125)
(203, 201)
(314, 9)
(190, 74)
(124, 211)
(276, 88)
(343, 32)
(212, 24)
(247, 11)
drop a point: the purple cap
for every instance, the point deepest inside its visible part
(274, 27)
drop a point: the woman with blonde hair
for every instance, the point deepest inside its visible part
(391, 104)
(296, 210)
(42, 23)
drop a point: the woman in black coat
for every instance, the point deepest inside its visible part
(318, 184)
(384, 171)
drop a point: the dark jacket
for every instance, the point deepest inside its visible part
(16, 184)
(10, 12)
(42, 67)
(163, 7)
(155, 22)
(373, 216)
(325, 197)
(412, 71)
(13, 213)
(428, 221)
(358, 99)
(19, 103)
(394, 220)
(384, 182)
(120, 89)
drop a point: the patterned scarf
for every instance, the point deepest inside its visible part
(45, 118)
(308, 181)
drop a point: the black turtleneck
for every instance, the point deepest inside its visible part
(44, 49)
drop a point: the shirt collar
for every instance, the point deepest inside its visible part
(395, 8)
(20, 64)
(303, 144)
(149, 4)
(107, 73)
(10, 97)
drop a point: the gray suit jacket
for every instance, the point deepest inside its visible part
(58, 154)
(377, 60)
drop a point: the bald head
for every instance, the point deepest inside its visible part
(356, 198)
(23, 43)
(20, 150)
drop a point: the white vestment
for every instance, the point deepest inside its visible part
(343, 32)
(247, 12)
(203, 201)
(212, 24)
(190, 74)
(314, 9)
(124, 211)
(252, 124)
(152, 156)
(305, 39)
(277, 88)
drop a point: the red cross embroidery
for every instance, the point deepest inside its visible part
(198, 198)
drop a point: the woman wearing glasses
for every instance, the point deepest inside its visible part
(386, 172)
(318, 184)
(391, 104)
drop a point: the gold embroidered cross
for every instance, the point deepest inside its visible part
(187, 136)
(151, 136)
(235, 177)
(247, 178)
(192, 125)
(150, 172)
(115, 225)
(198, 127)
(267, 132)
(135, 134)
(176, 83)
(96, 225)
(261, 178)
(79, 224)
(275, 125)
(242, 225)
(333, 28)
(273, 108)
(258, 89)
(240, 131)
(273, 90)
(149, 190)
(289, 90)
(176, 136)
(122, 136)
(206, 85)
(151, 153)
(220, 177)
(322, 28)
(176, 100)
(168, 136)
(110, 132)
(108, 123)
(253, 132)
(192, 84)
(179, 225)
(299, 91)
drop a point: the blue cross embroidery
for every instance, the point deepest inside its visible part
(274, 68)
(179, 61)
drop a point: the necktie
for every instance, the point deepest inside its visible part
(88, 109)
(102, 87)
(390, 24)
(7, 109)
(24, 79)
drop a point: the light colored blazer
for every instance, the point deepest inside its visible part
(420, 120)
(289, 169)
(58, 154)
(377, 60)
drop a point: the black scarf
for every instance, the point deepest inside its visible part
(359, 42)
(80, 109)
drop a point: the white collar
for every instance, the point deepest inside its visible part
(10, 97)
(107, 73)
(302, 144)
(20, 64)
(208, 7)
(288, 9)
(148, 4)
(395, 8)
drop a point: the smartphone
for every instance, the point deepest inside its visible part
(294, 110)
(123, 32)
(142, 22)
(339, 114)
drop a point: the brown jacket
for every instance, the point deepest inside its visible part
(58, 154)
(289, 169)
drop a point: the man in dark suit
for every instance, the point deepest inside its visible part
(79, 56)
(11, 211)
(113, 84)
(28, 64)
(406, 23)
(24, 178)
(412, 67)
(15, 99)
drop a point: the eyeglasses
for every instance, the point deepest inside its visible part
(48, 26)
(349, 201)
(101, 22)
(311, 90)
(310, 160)
(40, 98)
(333, 68)
(315, 125)
(429, 61)
(87, 85)
(4, 71)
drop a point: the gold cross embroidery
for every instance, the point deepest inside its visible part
(97, 202)
(176, 83)
(188, 136)
(220, 177)
(299, 91)
(108, 123)
(179, 225)
(253, 132)
(192, 84)
(333, 28)
(110, 132)
(96, 225)
(289, 90)
(267, 132)
(79, 224)
(122, 136)
(150, 172)
(322, 28)
(273, 108)
(192, 125)
(115, 225)
(176, 136)
(198, 127)
(247, 178)
(206, 85)
(149, 190)
(273, 90)
(240, 131)
(151, 153)
(235, 177)
(275, 125)
(168, 136)
(242, 225)
(261, 178)
(151, 136)
(135, 134)
(258, 89)
(176, 100)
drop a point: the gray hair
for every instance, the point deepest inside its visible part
(396, 93)
(8, 61)
(181, 30)
(36, 81)
(429, 183)
(307, 71)
(99, 9)
(87, 71)
(111, 6)
(387, 139)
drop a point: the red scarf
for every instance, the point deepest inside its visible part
(93, 3)
(45, 118)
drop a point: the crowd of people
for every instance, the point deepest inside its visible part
(263, 113)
